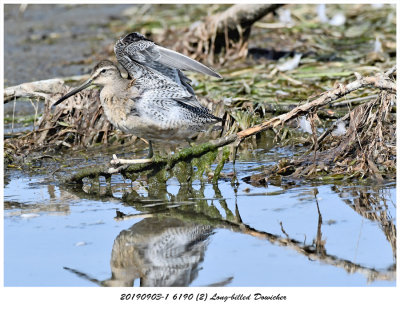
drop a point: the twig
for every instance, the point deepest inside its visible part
(347, 101)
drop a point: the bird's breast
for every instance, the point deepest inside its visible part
(117, 109)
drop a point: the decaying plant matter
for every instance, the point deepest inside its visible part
(367, 149)
(227, 31)
(79, 123)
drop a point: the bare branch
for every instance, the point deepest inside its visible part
(43, 89)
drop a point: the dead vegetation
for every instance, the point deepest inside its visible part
(225, 34)
(366, 150)
(80, 123)
(369, 140)
(250, 94)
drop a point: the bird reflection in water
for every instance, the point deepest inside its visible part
(161, 252)
(158, 252)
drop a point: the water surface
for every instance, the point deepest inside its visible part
(196, 233)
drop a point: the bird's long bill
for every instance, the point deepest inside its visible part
(74, 91)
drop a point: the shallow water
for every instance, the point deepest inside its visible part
(197, 233)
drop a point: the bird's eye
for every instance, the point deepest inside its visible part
(103, 71)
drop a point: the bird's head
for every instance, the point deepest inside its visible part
(104, 73)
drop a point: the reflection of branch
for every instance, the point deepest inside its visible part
(83, 275)
(311, 251)
(368, 205)
(316, 251)
(319, 243)
(205, 215)
(222, 202)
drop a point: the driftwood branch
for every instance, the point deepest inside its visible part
(240, 15)
(380, 81)
(43, 89)
(158, 162)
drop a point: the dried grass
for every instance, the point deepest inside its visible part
(367, 150)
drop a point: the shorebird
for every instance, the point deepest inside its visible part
(156, 102)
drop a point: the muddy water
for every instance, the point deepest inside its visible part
(189, 231)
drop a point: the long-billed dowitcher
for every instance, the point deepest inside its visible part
(156, 102)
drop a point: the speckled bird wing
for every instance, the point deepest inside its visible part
(171, 112)
(134, 49)
(152, 83)
(154, 86)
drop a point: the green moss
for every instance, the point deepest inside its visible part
(220, 166)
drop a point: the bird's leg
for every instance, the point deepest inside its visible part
(190, 142)
(150, 154)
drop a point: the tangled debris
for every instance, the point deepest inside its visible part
(78, 123)
(367, 148)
